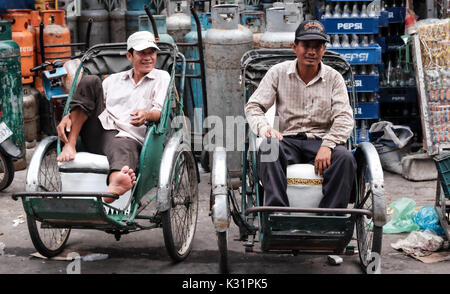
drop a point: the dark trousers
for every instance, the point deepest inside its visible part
(120, 151)
(275, 156)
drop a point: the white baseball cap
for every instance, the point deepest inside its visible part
(141, 40)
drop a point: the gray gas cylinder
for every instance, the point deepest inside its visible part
(282, 21)
(117, 25)
(100, 26)
(225, 44)
(30, 115)
(92, 4)
(179, 19)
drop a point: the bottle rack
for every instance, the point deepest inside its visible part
(398, 92)
(353, 31)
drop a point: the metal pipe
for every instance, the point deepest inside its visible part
(311, 210)
(202, 60)
(63, 194)
(152, 20)
(41, 40)
(88, 34)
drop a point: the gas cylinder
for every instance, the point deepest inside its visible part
(132, 21)
(92, 4)
(160, 21)
(178, 20)
(30, 115)
(117, 25)
(100, 24)
(55, 33)
(46, 4)
(255, 21)
(137, 4)
(11, 84)
(194, 95)
(73, 11)
(225, 44)
(282, 21)
(23, 36)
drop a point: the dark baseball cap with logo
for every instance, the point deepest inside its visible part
(311, 30)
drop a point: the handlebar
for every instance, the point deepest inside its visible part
(42, 66)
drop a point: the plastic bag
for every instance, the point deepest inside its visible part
(427, 219)
(402, 217)
(419, 243)
(391, 135)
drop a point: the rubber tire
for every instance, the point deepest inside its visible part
(377, 232)
(166, 215)
(8, 166)
(32, 225)
(37, 241)
(223, 252)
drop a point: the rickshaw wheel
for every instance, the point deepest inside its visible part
(369, 236)
(223, 252)
(180, 220)
(48, 241)
(6, 171)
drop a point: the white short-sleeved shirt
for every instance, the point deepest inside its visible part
(122, 96)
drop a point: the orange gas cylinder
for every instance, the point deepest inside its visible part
(55, 33)
(21, 34)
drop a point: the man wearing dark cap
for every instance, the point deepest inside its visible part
(315, 121)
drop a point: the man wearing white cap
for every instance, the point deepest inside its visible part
(110, 116)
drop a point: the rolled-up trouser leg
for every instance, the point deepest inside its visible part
(120, 151)
(338, 179)
(274, 157)
(89, 97)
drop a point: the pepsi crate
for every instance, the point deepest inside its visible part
(366, 83)
(382, 42)
(443, 167)
(397, 94)
(384, 19)
(367, 110)
(360, 55)
(351, 25)
(396, 14)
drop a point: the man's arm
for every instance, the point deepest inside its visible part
(341, 115)
(341, 128)
(261, 100)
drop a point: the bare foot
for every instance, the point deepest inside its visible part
(67, 153)
(120, 182)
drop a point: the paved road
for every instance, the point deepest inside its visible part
(144, 252)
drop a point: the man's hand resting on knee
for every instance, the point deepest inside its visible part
(322, 160)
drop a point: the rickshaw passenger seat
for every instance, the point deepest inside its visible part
(88, 173)
(304, 187)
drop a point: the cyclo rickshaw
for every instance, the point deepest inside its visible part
(64, 196)
(306, 228)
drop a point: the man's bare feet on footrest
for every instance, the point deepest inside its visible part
(120, 182)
